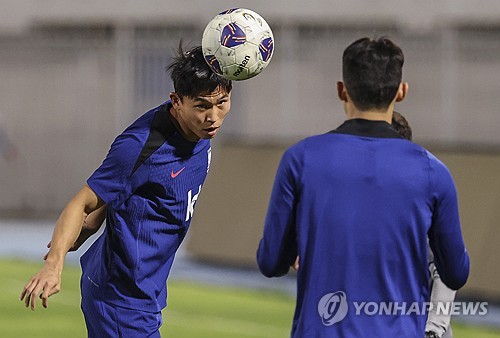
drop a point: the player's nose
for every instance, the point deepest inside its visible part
(211, 115)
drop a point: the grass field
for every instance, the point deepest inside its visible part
(194, 310)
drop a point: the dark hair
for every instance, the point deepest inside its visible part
(192, 76)
(372, 72)
(401, 125)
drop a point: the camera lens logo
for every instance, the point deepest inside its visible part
(332, 308)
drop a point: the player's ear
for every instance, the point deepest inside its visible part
(175, 99)
(341, 91)
(402, 91)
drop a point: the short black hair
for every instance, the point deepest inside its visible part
(192, 76)
(401, 125)
(372, 71)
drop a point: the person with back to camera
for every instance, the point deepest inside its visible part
(359, 206)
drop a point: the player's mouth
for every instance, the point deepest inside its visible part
(211, 131)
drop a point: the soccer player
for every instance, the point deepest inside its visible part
(147, 188)
(357, 206)
(438, 324)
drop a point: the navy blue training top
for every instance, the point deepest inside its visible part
(150, 181)
(357, 206)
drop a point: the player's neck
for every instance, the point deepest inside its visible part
(372, 115)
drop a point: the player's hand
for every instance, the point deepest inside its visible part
(295, 265)
(42, 285)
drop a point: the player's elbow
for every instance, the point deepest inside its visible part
(268, 266)
(266, 270)
(457, 282)
(457, 279)
(269, 270)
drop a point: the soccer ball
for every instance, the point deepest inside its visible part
(238, 44)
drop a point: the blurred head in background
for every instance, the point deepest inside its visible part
(401, 125)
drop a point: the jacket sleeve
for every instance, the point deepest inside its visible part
(445, 235)
(278, 247)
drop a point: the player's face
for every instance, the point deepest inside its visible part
(201, 117)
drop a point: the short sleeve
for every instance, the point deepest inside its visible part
(110, 181)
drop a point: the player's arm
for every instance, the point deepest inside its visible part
(438, 322)
(445, 235)
(278, 247)
(67, 229)
(91, 224)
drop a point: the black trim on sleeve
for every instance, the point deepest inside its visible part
(160, 130)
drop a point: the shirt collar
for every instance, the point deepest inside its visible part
(368, 128)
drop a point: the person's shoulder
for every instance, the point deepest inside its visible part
(129, 143)
(318, 138)
(143, 123)
(433, 159)
(299, 148)
(421, 151)
(304, 143)
(437, 167)
(317, 141)
(138, 131)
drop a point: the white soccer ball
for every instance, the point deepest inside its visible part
(238, 44)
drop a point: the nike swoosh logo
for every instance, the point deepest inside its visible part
(174, 175)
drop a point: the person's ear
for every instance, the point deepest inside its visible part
(341, 91)
(402, 91)
(175, 99)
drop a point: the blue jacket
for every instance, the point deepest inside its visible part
(358, 205)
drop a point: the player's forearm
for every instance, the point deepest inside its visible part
(272, 266)
(94, 220)
(65, 233)
(440, 293)
(90, 226)
(277, 250)
(451, 260)
(69, 225)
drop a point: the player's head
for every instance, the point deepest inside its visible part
(401, 125)
(202, 99)
(372, 71)
(192, 76)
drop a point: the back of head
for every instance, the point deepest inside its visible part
(192, 76)
(372, 72)
(401, 125)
